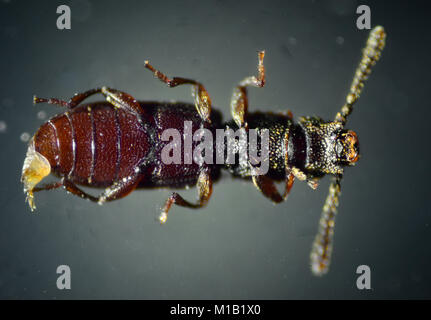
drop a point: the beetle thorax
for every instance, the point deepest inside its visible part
(322, 146)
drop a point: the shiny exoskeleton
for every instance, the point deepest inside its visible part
(118, 145)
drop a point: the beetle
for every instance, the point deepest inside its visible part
(118, 145)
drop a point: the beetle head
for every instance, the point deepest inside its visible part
(347, 148)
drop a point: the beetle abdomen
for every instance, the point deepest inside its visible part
(94, 144)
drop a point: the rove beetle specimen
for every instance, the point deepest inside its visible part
(116, 144)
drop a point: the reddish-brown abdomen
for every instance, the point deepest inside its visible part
(94, 144)
(65, 141)
(106, 153)
(135, 143)
(46, 143)
(82, 124)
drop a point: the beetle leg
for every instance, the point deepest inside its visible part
(117, 98)
(119, 189)
(267, 187)
(239, 101)
(116, 191)
(313, 183)
(72, 103)
(199, 93)
(50, 186)
(204, 185)
(69, 186)
(300, 175)
(30, 193)
(122, 100)
(371, 54)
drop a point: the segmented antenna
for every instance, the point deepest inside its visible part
(322, 246)
(371, 54)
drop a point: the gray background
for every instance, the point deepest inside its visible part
(240, 246)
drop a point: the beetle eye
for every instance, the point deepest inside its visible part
(353, 147)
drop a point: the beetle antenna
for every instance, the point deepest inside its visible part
(370, 55)
(322, 246)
